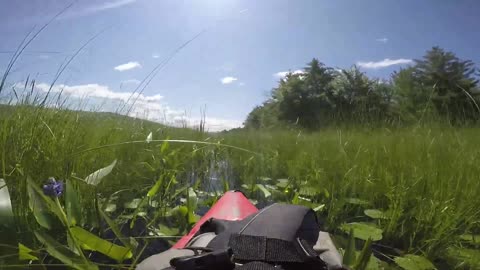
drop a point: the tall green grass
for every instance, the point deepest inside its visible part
(424, 180)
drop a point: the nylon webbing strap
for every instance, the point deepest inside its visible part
(260, 248)
(256, 266)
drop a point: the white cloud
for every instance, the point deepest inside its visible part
(228, 80)
(128, 66)
(131, 81)
(241, 84)
(155, 55)
(97, 91)
(108, 5)
(383, 40)
(384, 63)
(142, 106)
(282, 74)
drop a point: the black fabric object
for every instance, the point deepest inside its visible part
(280, 221)
(257, 266)
(279, 237)
(260, 248)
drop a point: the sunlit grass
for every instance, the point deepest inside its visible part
(423, 180)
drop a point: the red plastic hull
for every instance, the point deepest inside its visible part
(233, 205)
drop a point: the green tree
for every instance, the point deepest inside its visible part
(452, 81)
(306, 99)
(412, 99)
(360, 98)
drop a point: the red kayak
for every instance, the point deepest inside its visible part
(233, 205)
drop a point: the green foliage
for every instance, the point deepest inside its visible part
(414, 262)
(95, 178)
(363, 231)
(375, 213)
(423, 178)
(89, 241)
(438, 87)
(25, 253)
(63, 254)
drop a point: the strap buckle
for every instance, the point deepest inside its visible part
(219, 259)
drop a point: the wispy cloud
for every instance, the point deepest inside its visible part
(383, 40)
(243, 11)
(131, 81)
(150, 107)
(127, 66)
(107, 5)
(384, 63)
(228, 80)
(155, 55)
(97, 91)
(282, 74)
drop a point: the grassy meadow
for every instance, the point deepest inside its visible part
(412, 190)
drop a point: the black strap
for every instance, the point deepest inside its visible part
(215, 260)
(256, 266)
(259, 248)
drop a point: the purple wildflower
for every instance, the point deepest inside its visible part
(53, 188)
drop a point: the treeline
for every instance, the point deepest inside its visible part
(440, 86)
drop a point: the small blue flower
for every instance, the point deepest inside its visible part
(53, 188)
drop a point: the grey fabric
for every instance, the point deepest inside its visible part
(162, 260)
(328, 252)
(201, 240)
(324, 246)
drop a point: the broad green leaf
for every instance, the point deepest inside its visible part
(72, 204)
(131, 243)
(282, 183)
(149, 138)
(92, 242)
(308, 191)
(265, 191)
(265, 179)
(24, 253)
(414, 262)
(138, 205)
(6, 212)
(167, 231)
(357, 201)
(64, 254)
(111, 207)
(96, 177)
(375, 214)
(271, 187)
(153, 204)
(178, 210)
(133, 204)
(363, 231)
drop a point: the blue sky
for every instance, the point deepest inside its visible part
(232, 66)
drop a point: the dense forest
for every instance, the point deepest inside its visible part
(440, 87)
